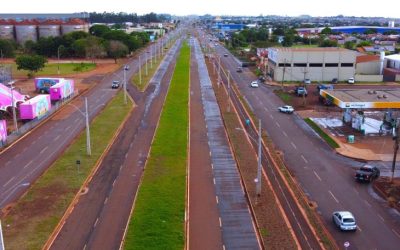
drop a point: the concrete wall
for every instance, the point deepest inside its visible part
(368, 78)
(307, 57)
(397, 79)
(368, 68)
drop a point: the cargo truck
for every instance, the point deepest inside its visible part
(43, 85)
(35, 107)
(62, 90)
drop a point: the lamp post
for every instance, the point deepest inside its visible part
(58, 59)
(140, 72)
(86, 115)
(13, 108)
(125, 69)
(258, 187)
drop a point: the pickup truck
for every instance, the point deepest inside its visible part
(367, 173)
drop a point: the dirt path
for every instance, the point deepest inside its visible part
(203, 230)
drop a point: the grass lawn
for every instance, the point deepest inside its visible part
(51, 69)
(285, 97)
(35, 215)
(159, 214)
(321, 133)
(135, 80)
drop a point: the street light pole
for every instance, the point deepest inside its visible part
(229, 91)
(258, 187)
(140, 72)
(88, 148)
(125, 69)
(13, 108)
(146, 63)
(58, 60)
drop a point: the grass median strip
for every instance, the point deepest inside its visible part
(34, 217)
(158, 217)
(321, 133)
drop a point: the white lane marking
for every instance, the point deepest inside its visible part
(359, 228)
(319, 178)
(366, 202)
(355, 190)
(58, 137)
(29, 163)
(68, 127)
(105, 201)
(220, 222)
(41, 151)
(266, 109)
(76, 120)
(284, 133)
(305, 160)
(333, 196)
(216, 198)
(293, 145)
(396, 233)
(97, 220)
(380, 217)
(9, 181)
(271, 116)
(277, 124)
(214, 180)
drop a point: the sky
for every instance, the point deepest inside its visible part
(387, 8)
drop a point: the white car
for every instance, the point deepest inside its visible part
(286, 109)
(351, 80)
(344, 220)
(254, 84)
(307, 81)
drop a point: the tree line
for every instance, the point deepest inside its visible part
(122, 17)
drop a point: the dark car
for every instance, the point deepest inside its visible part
(367, 173)
(334, 80)
(261, 78)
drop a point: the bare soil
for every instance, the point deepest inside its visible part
(389, 190)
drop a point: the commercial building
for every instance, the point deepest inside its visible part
(316, 64)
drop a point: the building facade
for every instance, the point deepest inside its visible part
(316, 64)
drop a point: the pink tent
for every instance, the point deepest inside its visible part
(6, 97)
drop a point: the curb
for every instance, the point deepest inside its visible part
(71, 207)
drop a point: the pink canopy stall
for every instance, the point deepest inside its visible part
(3, 132)
(6, 97)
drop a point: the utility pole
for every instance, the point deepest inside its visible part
(125, 69)
(396, 147)
(229, 91)
(219, 70)
(146, 63)
(13, 109)
(258, 188)
(89, 149)
(283, 75)
(140, 72)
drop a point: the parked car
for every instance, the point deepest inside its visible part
(254, 84)
(334, 80)
(226, 55)
(115, 85)
(351, 80)
(239, 69)
(300, 91)
(344, 220)
(261, 79)
(307, 81)
(367, 173)
(286, 109)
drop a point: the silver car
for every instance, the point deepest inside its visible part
(344, 220)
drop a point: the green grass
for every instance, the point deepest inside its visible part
(51, 69)
(321, 133)
(37, 213)
(135, 80)
(158, 218)
(285, 97)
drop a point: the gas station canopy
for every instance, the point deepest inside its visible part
(363, 98)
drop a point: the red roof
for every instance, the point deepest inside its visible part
(7, 21)
(27, 22)
(367, 58)
(51, 22)
(75, 21)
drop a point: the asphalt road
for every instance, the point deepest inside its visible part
(326, 178)
(23, 162)
(99, 219)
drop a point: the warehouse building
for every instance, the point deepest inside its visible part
(316, 64)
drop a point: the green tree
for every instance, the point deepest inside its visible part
(328, 43)
(32, 63)
(349, 45)
(7, 48)
(326, 31)
(288, 40)
(98, 30)
(117, 49)
(364, 43)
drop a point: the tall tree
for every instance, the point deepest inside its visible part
(32, 63)
(117, 49)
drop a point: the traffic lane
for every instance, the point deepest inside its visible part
(326, 169)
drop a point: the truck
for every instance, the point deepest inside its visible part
(3, 132)
(43, 85)
(36, 107)
(6, 97)
(62, 90)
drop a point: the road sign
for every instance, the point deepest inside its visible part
(346, 244)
